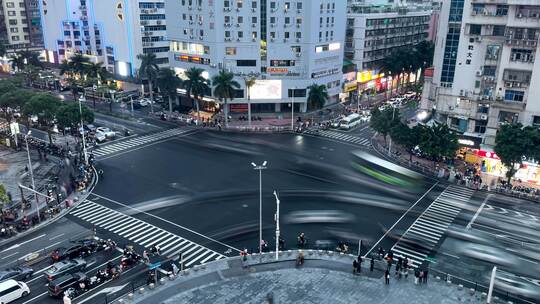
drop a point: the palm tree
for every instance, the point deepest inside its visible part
(195, 85)
(249, 83)
(224, 86)
(66, 68)
(17, 62)
(79, 64)
(168, 83)
(149, 70)
(317, 97)
(97, 74)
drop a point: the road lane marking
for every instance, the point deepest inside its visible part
(36, 297)
(55, 237)
(469, 225)
(19, 245)
(402, 216)
(7, 256)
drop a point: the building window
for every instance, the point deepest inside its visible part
(272, 5)
(489, 70)
(475, 29)
(287, 20)
(480, 126)
(298, 5)
(513, 95)
(10, 4)
(246, 63)
(227, 34)
(240, 19)
(272, 35)
(502, 10)
(287, 35)
(15, 38)
(230, 51)
(226, 4)
(254, 35)
(498, 30)
(298, 35)
(11, 13)
(12, 22)
(508, 117)
(253, 4)
(227, 19)
(239, 4)
(14, 30)
(536, 121)
(240, 34)
(297, 92)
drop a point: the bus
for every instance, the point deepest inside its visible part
(350, 121)
(384, 171)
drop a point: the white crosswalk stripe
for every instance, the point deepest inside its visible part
(427, 230)
(340, 136)
(137, 142)
(144, 234)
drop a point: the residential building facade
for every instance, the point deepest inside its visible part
(485, 67)
(286, 45)
(111, 32)
(20, 24)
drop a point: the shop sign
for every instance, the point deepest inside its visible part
(277, 70)
(239, 108)
(349, 87)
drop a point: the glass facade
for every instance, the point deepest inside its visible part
(452, 42)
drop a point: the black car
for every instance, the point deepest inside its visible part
(90, 245)
(16, 273)
(72, 252)
(58, 286)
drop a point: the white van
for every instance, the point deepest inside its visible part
(12, 290)
(350, 121)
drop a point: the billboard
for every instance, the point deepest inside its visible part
(266, 89)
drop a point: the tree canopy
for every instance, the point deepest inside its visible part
(68, 115)
(317, 96)
(383, 121)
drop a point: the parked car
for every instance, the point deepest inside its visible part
(90, 128)
(12, 290)
(63, 253)
(409, 94)
(108, 132)
(65, 267)
(58, 286)
(100, 137)
(16, 273)
(89, 244)
(144, 102)
(82, 98)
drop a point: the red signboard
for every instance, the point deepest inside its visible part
(238, 108)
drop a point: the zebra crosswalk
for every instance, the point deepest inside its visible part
(427, 230)
(137, 141)
(339, 136)
(144, 234)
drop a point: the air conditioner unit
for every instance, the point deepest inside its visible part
(298, 54)
(253, 39)
(478, 73)
(254, 25)
(237, 9)
(191, 37)
(238, 25)
(298, 25)
(191, 22)
(272, 25)
(285, 39)
(199, 8)
(272, 39)
(200, 22)
(190, 8)
(238, 39)
(254, 10)
(212, 65)
(483, 117)
(520, 15)
(299, 11)
(478, 39)
(201, 37)
(158, 22)
(297, 39)
(461, 92)
(274, 10)
(508, 84)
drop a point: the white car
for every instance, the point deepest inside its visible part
(410, 94)
(100, 137)
(12, 290)
(106, 131)
(82, 98)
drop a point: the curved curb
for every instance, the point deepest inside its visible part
(59, 216)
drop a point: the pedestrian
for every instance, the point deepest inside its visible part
(405, 262)
(354, 266)
(421, 277)
(387, 277)
(381, 253)
(175, 269)
(416, 276)
(145, 257)
(425, 276)
(388, 263)
(371, 264)
(359, 263)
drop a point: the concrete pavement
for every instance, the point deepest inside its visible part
(324, 278)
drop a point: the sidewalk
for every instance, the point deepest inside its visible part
(324, 278)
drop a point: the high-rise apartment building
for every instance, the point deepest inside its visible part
(287, 45)
(20, 24)
(486, 67)
(113, 32)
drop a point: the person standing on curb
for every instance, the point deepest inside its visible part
(371, 264)
(425, 276)
(416, 276)
(387, 277)
(359, 267)
(354, 266)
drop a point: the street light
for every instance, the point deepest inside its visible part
(32, 174)
(390, 143)
(260, 168)
(82, 133)
(277, 225)
(292, 108)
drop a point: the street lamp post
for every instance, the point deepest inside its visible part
(32, 174)
(260, 168)
(277, 225)
(390, 143)
(292, 108)
(82, 134)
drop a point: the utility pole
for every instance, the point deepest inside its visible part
(32, 175)
(277, 225)
(260, 168)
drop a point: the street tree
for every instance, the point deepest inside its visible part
(383, 121)
(532, 134)
(15, 98)
(250, 82)
(438, 141)
(196, 86)
(317, 96)
(407, 137)
(96, 74)
(224, 87)
(44, 106)
(4, 197)
(69, 115)
(79, 64)
(511, 145)
(149, 71)
(168, 83)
